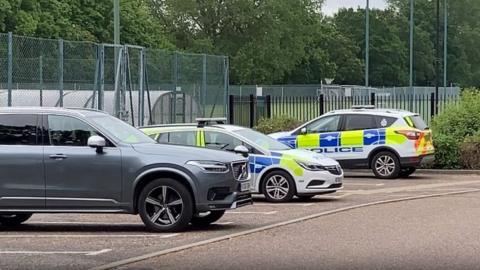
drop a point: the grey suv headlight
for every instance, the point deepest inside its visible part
(311, 166)
(209, 166)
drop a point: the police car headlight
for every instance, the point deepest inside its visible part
(209, 166)
(310, 166)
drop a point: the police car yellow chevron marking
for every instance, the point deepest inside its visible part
(308, 140)
(352, 138)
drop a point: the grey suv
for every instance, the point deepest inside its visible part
(76, 160)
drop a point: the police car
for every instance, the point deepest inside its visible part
(278, 171)
(393, 143)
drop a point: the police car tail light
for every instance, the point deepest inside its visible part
(410, 134)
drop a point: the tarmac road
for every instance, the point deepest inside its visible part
(83, 241)
(434, 233)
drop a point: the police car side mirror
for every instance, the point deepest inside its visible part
(303, 131)
(242, 150)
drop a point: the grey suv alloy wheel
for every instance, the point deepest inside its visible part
(165, 205)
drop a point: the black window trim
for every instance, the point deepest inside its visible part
(46, 140)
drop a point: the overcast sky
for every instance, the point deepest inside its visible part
(331, 6)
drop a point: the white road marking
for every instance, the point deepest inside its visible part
(25, 252)
(87, 235)
(284, 204)
(363, 184)
(223, 223)
(265, 228)
(252, 212)
(412, 188)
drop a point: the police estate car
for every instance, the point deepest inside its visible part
(278, 171)
(391, 142)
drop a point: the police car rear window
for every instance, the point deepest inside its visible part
(384, 121)
(418, 122)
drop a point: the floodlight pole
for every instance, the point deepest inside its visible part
(411, 53)
(445, 50)
(437, 58)
(367, 39)
(116, 21)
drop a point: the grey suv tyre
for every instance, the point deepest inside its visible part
(205, 219)
(278, 186)
(165, 205)
(385, 165)
(13, 219)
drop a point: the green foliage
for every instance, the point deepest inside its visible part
(277, 124)
(454, 126)
(470, 152)
(271, 41)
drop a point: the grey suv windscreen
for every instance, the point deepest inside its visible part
(120, 130)
(262, 140)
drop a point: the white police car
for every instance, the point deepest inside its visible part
(278, 171)
(391, 142)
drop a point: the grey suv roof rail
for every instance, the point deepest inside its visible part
(85, 109)
(359, 107)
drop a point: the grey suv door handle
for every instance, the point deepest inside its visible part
(58, 156)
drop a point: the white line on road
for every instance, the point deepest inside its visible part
(283, 204)
(252, 212)
(223, 223)
(87, 235)
(265, 228)
(87, 253)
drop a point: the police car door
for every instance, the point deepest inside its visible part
(359, 136)
(321, 136)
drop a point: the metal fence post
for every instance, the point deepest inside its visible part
(10, 68)
(175, 78)
(322, 104)
(432, 105)
(372, 99)
(101, 89)
(141, 96)
(231, 111)
(204, 85)
(40, 60)
(252, 111)
(268, 103)
(60, 71)
(226, 81)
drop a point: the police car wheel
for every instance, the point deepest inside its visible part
(385, 165)
(406, 172)
(278, 186)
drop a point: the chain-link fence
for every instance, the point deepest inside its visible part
(137, 84)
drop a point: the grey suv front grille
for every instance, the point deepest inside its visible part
(240, 170)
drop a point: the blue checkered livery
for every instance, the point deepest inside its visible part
(259, 162)
(331, 139)
(374, 137)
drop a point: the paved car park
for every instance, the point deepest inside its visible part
(81, 241)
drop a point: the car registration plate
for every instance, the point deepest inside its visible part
(338, 179)
(245, 186)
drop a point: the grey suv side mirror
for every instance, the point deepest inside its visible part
(97, 142)
(242, 150)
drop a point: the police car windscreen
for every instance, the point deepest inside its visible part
(418, 122)
(262, 140)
